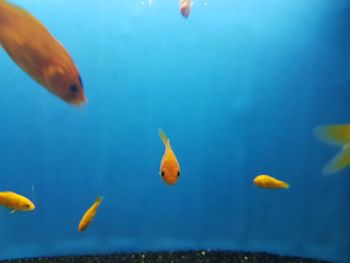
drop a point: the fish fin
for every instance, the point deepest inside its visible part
(12, 212)
(339, 162)
(99, 200)
(285, 185)
(162, 136)
(334, 134)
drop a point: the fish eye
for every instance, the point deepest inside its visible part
(178, 174)
(73, 89)
(26, 205)
(162, 173)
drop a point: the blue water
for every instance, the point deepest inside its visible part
(238, 88)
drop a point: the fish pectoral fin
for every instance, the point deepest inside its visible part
(12, 212)
(339, 162)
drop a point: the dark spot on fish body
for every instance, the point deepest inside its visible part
(81, 83)
(162, 174)
(178, 174)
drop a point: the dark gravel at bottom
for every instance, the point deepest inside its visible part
(173, 257)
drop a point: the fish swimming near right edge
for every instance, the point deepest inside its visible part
(338, 135)
(34, 49)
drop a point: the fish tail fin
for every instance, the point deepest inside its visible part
(285, 185)
(334, 134)
(163, 136)
(339, 162)
(99, 200)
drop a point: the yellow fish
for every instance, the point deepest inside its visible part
(15, 202)
(266, 181)
(39, 54)
(336, 135)
(89, 215)
(169, 166)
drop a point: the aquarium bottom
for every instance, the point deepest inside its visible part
(174, 257)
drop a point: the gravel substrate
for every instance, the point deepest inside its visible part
(173, 257)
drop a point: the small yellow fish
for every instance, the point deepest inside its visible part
(169, 166)
(89, 215)
(39, 54)
(266, 181)
(15, 202)
(336, 135)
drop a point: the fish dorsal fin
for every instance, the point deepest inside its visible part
(168, 144)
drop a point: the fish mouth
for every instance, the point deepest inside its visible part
(30, 209)
(79, 102)
(170, 181)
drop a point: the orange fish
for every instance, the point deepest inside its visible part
(336, 135)
(185, 7)
(89, 215)
(39, 54)
(169, 166)
(268, 182)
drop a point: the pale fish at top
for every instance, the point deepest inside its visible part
(185, 7)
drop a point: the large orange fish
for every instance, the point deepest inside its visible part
(336, 135)
(39, 54)
(169, 166)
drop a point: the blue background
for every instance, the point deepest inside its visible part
(238, 88)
